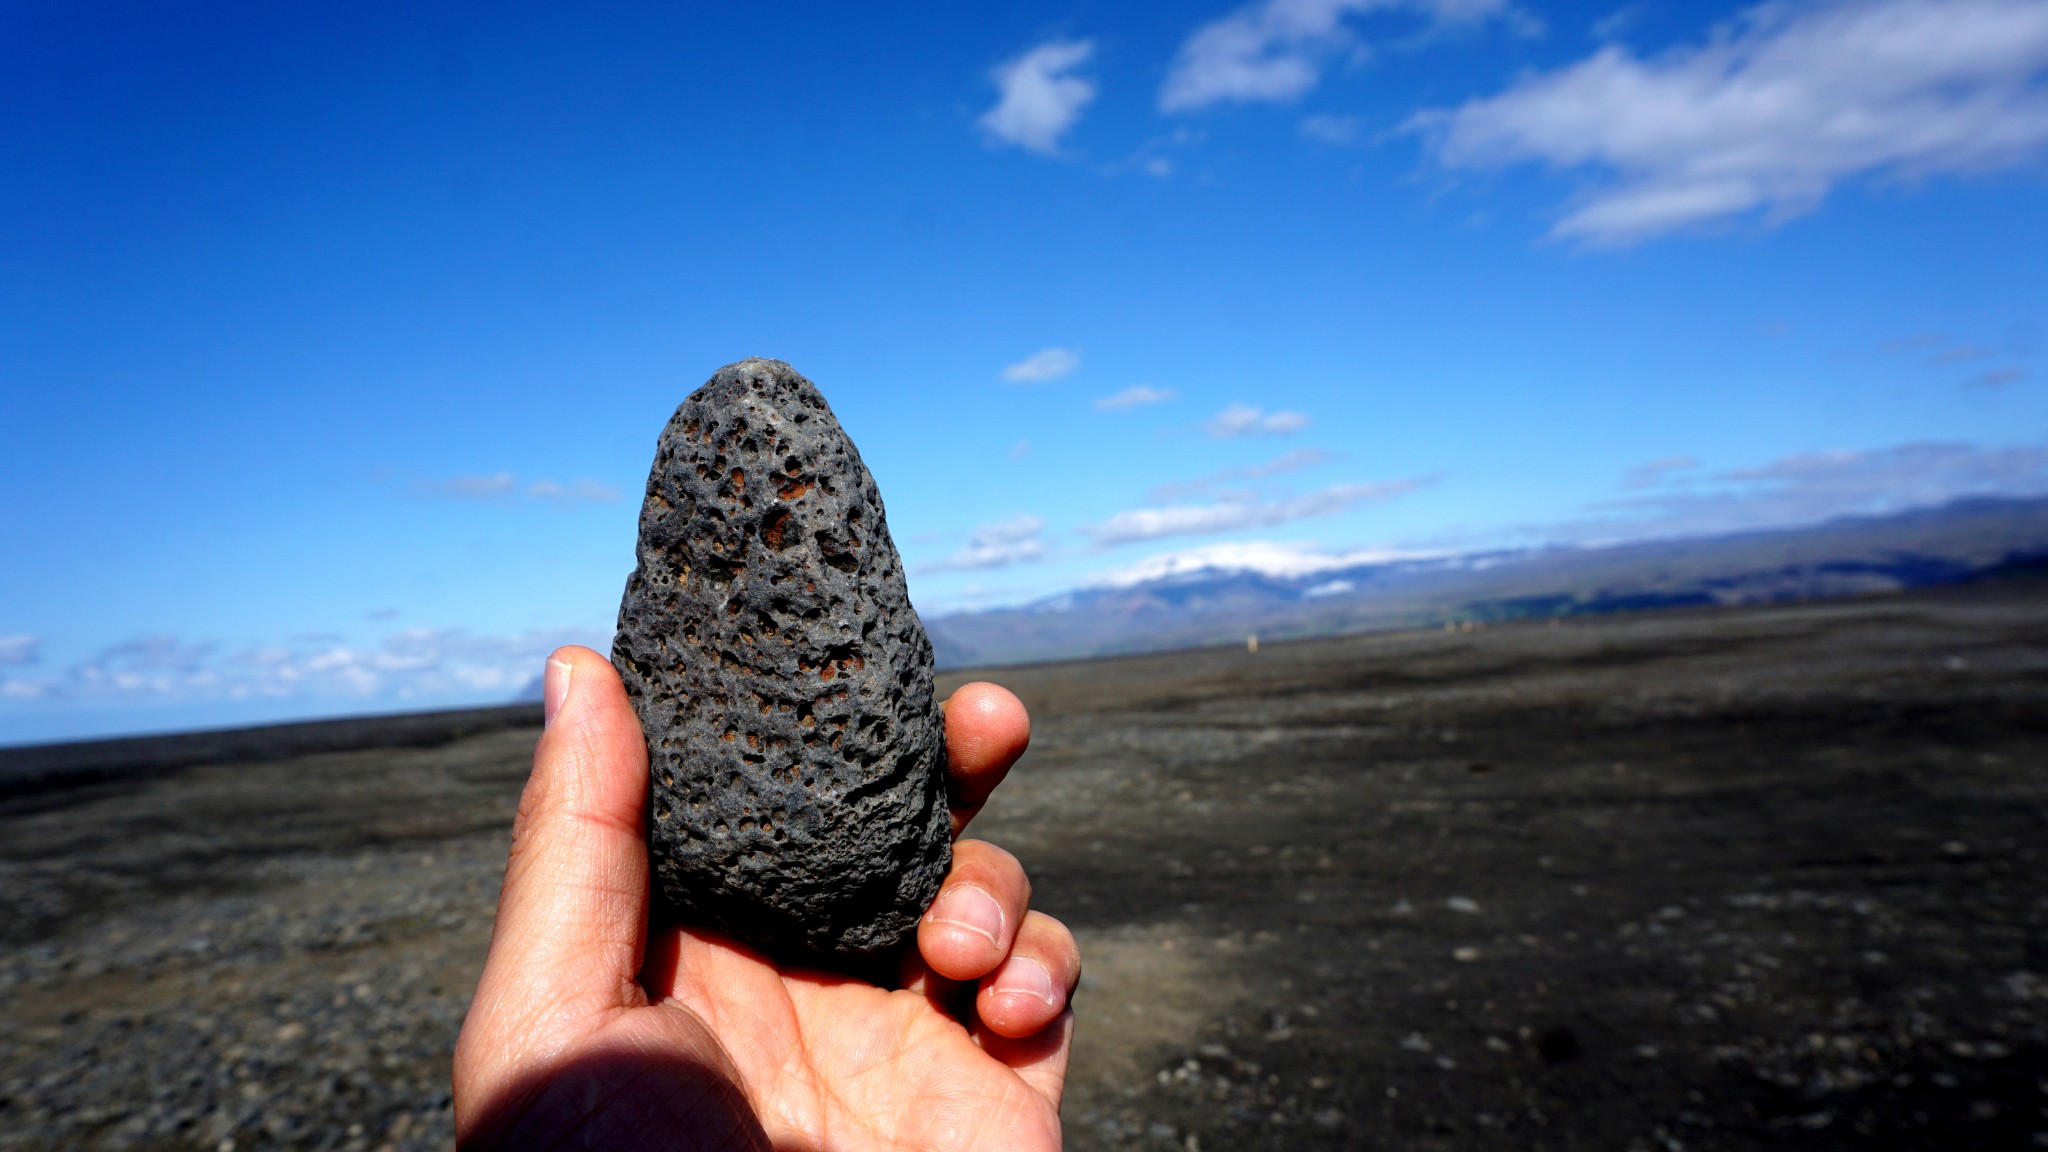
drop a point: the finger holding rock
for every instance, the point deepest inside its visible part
(973, 924)
(1032, 987)
(987, 730)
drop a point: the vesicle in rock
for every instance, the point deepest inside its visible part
(784, 682)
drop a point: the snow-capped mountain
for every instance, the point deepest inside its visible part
(1224, 593)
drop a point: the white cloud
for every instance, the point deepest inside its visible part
(1767, 118)
(416, 665)
(1240, 420)
(1136, 396)
(1016, 540)
(1274, 51)
(1045, 364)
(1280, 465)
(1040, 100)
(1282, 561)
(19, 649)
(1232, 515)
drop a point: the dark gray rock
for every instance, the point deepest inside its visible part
(783, 680)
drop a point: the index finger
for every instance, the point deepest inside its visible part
(987, 729)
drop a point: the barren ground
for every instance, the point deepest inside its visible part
(1766, 878)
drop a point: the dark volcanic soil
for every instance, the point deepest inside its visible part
(1754, 879)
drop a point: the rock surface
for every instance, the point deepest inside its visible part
(783, 680)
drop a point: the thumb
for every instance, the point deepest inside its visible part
(572, 919)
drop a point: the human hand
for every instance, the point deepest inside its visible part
(590, 1031)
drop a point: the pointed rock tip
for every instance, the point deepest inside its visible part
(756, 371)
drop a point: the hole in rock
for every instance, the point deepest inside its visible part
(775, 530)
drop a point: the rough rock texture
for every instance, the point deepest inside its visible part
(783, 680)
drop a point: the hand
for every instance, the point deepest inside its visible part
(588, 1031)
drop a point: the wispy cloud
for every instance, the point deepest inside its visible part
(1656, 472)
(1040, 98)
(1914, 343)
(499, 486)
(1960, 354)
(1239, 420)
(420, 664)
(1617, 23)
(1043, 365)
(1996, 378)
(1813, 486)
(1293, 461)
(21, 648)
(1016, 540)
(1136, 396)
(1158, 157)
(1767, 118)
(576, 491)
(1275, 50)
(1941, 351)
(1339, 130)
(1232, 515)
(505, 486)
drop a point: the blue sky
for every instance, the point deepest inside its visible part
(334, 339)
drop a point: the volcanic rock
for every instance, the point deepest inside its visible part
(783, 681)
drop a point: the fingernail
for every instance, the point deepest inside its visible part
(965, 906)
(1023, 976)
(554, 688)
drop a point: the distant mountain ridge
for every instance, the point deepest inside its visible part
(1280, 596)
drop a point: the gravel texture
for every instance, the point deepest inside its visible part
(783, 679)
(1761, 879)
(275, 954)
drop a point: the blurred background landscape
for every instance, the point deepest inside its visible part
(1523, 527)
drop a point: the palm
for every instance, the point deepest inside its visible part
(854, 1066)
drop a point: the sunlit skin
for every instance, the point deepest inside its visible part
(591, 1030)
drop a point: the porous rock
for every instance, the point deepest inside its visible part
(783, 680)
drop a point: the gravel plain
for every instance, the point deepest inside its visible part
(1757, 878)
